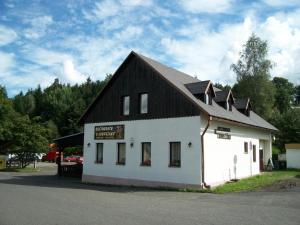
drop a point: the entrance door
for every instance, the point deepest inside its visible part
(261, 159)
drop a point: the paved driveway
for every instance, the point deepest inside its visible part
(43, 199)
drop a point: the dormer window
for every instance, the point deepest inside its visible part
(243, 106)
(225, 99)
(202, 90)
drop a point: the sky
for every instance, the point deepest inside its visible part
(76, 39)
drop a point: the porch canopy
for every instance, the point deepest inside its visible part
(64, 142)
(69, 141)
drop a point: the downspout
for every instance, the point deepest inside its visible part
(202, 152)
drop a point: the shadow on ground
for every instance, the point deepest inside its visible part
(54, 181)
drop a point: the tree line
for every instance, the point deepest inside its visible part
(30, 121)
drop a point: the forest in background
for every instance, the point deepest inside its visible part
(30, 121)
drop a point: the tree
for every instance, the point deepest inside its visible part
(253, 76)
(222, 87)
(24, 104)
(297, 95)
(288, 124)
(28, 138)
(283, 94)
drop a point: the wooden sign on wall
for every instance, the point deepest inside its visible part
(109, 132)
(223, 133)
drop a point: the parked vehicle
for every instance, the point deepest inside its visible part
(74, 158)
(50, 156)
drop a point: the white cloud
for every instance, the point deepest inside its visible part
(7, 35)
(284, 46)
(206, 6)
(129, 33)
(209, 54)
(55, 63)
(39, 27)
(7, 62)
(104, 9)
(71, 73)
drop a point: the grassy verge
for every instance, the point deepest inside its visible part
(253, 183)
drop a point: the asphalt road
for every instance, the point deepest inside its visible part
(43, 199)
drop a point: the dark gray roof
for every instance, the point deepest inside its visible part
(180, 79)
(198, 87)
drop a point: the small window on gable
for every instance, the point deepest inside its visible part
(125, 105)
(144, 103)
(246, 147)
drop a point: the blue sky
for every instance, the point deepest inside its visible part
(74, 39)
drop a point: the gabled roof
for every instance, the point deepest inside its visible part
(179, 80)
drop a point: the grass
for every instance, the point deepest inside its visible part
(256, 182)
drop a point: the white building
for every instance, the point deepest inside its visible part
(292, 156)
(152, 125)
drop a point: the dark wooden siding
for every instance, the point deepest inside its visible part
(134, 78)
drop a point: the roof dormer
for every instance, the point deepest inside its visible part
(202, 90)
(225, 99)
(243, 106)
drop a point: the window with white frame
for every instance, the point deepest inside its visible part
(144, 103)
(121, 154)
(146, 154)
(125, 105)
(175, 154)
(99, 153)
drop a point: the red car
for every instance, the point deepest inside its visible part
(74, 158)
(50, 156)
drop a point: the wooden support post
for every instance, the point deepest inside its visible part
(59, 172)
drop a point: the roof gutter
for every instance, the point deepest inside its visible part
(202, 152)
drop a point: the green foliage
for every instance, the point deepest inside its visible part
(222, 87)
(24, 104)
(257, 182)
(253, 76)
(288, 124)
(297, 95)
(284, 94)
(73, 150)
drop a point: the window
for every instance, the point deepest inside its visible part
(99, 153)
(146, 154)
(175, 155)
(229, 106)
(121, 154)
(125, 105)
(254, 153)
(206, 98)
(246, 147)
(143, 103)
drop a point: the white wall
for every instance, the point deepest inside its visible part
(219, 153)
(293, 158)
(157, 131)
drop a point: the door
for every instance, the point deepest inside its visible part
(261, 159)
